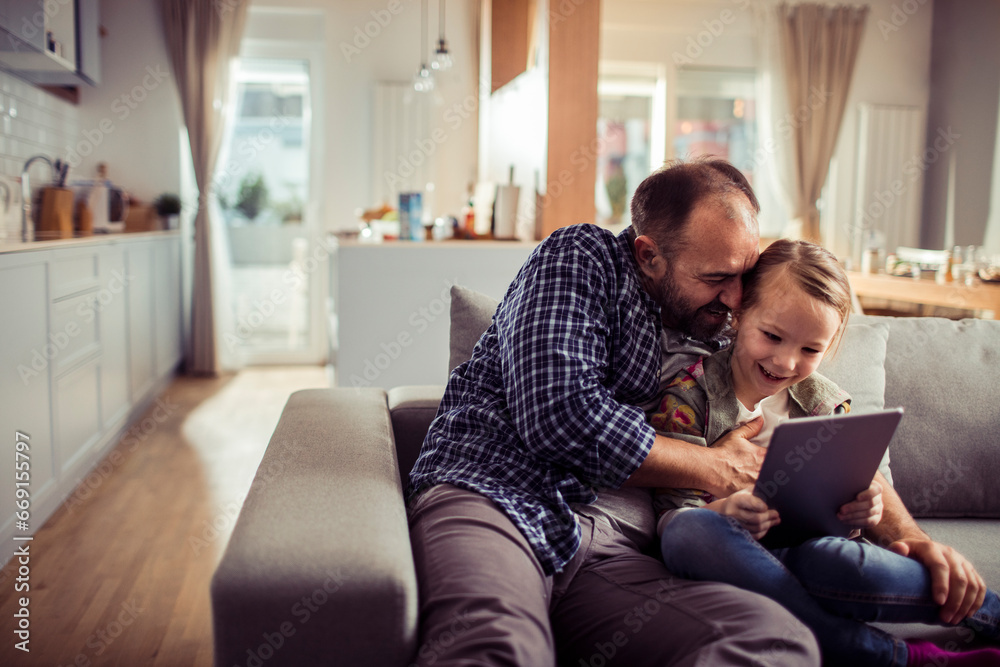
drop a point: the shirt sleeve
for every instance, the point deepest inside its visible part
(556, 342)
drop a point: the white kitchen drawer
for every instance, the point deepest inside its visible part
(74, 332)
(74, 270)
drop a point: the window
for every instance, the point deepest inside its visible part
(716, 115)
(630, 131)
(266, 175)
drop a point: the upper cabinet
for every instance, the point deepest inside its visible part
(51, 42)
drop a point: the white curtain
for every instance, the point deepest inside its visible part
(203, 38)
(992, 240)
(808, 52)
(775, 154)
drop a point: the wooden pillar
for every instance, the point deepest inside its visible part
(574, 39)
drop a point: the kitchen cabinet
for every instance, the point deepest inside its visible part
(140, 317)
(167, 314)
(91, 338)
(51, 42)
(25, 385)
(112, 308)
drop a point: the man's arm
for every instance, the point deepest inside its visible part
(730, 464)
(955, 583)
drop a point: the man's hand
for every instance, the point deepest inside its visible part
(738, 459)
(955, 584)
(865, 511)
(752, 512)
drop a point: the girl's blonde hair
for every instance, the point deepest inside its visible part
(813, 268)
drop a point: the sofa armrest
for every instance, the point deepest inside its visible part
(413, 408)
(319, 568)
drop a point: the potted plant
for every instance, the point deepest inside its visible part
(168, 207)
(252, 196)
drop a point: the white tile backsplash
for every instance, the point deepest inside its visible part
(32, 122)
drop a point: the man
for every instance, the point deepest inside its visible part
(529, 512)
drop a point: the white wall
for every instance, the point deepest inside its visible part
(131, 119)
(355, 62)
(893, 69)
(142, 149)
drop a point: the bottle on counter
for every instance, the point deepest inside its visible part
(99, 202)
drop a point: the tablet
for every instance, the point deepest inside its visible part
(814, 465)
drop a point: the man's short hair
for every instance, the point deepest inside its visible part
(662, 204)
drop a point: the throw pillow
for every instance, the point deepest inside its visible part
(471, 315)
(859, 368)
(859, 365)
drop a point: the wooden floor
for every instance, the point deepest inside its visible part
(120, 573)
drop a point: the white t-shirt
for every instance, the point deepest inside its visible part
(773, 408)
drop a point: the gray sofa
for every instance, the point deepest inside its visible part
(319, 570)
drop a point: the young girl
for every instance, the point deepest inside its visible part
(794, 311)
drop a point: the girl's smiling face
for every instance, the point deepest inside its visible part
(780, 340)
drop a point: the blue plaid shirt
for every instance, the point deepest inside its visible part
(544, 413)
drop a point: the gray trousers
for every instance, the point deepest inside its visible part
(484, 600)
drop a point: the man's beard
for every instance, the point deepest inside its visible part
(678, 313)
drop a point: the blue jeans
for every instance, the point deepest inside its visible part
(834, 585)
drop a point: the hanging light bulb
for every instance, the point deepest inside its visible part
(423, 80)
(442, 59)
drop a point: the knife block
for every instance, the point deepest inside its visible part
(55, 219)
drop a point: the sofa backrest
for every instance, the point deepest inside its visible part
(945, 457)
(946, 375)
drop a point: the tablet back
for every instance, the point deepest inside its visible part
(816, 464)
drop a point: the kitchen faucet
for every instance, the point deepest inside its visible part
(27, 224)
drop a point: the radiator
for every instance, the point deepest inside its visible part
(889, 178)
(402, 153)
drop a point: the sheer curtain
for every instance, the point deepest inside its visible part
(808, 53)
(820, 47)
(203, 38)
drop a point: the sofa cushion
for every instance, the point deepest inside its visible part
(858, 367)
(945, 374)
(412, 409)
(471, 315)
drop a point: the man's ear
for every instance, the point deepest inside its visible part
(647, 255)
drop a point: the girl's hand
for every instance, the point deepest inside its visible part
(865, 511)
(751, 511)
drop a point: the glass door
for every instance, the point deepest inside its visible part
(265, 187)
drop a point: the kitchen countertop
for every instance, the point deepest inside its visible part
(13, 246)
